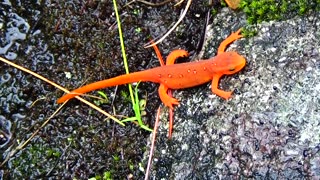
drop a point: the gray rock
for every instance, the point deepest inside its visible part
(270, 128)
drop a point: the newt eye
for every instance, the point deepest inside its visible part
(232, 68)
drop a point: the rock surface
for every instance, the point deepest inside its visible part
(270, 128)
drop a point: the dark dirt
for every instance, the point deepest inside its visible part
(80, 38)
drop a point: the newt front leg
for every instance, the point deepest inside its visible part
(214, 87)
(232, 37)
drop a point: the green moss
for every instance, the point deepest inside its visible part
(116, 158)
(106, 176)
(104, 99)
(249, 31)
(125, 96)
(214, 11)
(223, 3)
(266, 10)
(34, 156)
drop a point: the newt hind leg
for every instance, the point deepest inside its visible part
(165, 98)
(175, 54)
(232, 37)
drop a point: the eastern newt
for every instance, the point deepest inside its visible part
(179, 76)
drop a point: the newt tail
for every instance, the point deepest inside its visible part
(119, 80)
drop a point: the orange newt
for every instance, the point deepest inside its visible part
(178, 76)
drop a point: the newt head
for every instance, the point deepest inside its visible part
(228, 63)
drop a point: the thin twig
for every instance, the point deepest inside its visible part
(173, 27)
(153, 142)
(149, 3)
(61, 88)
(178, 3)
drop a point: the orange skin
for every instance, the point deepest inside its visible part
(178, 76)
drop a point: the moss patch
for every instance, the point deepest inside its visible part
(266, 10)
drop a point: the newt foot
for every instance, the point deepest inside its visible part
(236, 35)
(170, 102)
(226, 94)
